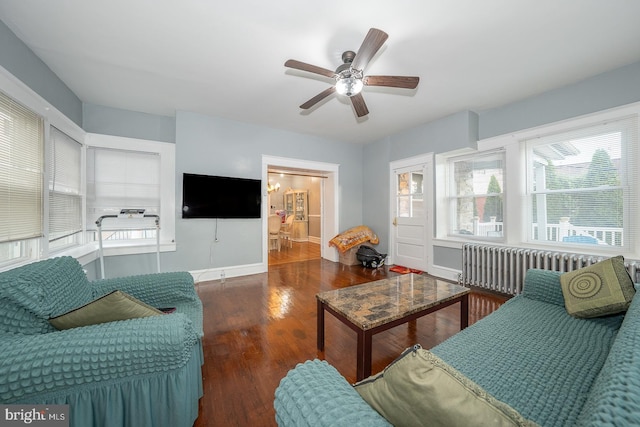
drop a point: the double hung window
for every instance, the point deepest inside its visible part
(65, 195)
(21, 178)
(580, 185)
(122, 179)
(476, 195)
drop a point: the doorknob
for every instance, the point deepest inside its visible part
(395, 220)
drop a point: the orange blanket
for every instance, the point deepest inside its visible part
(352, 237)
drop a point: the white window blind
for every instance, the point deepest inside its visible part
(119, 179)
(21, 171)
(65, 198)
(580, 185)
(477, 195)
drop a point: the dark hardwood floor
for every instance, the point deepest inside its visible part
(258, 327)
(299, 251)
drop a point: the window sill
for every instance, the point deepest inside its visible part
(456, 243)
(588, 250)
(90, 252)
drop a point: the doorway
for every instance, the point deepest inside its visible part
(294, 197)
(410, 230)
(307, 190)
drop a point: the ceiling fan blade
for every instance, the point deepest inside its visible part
(370, 46)
(292, 63)
(403, 82)
(359, 105)
(319, 97)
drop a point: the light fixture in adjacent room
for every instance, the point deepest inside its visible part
(273, 187)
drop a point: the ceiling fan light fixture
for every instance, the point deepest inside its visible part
(349, 86)
(349, 76)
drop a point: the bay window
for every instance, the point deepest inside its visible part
(128, 173)
(118, 179)
(65, 190)
(21, 177)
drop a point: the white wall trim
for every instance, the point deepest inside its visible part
(428, 183)
(329, 202)
(166, 150)
(22, 93)
(445, 272)
(232, 271)
(316, 240)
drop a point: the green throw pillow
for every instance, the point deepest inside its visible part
(420, 389)
(114, 306)
(598, 290)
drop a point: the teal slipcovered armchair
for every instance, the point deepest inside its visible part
(135, 372)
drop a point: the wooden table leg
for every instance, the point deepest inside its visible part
(320, 325)
(363, 364)
(464, 311)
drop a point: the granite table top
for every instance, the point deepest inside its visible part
(376, 303)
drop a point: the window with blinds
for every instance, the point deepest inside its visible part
(579, 185)
(21, 177)
(65, 196)
(122, 179)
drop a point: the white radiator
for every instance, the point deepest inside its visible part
(502, 269)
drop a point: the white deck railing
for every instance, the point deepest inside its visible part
(563, 231)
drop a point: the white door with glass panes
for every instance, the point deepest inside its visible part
(409, 214)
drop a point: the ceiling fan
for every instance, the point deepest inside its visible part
(349, 76)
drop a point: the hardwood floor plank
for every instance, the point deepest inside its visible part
(258, 327)
(300, 251)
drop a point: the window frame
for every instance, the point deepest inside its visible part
(166, 151)
(516, 213)
(33, 170)
(628, 174)
(38, 248)
(76, 239)
(451, 197)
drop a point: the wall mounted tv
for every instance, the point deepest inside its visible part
(206, 196)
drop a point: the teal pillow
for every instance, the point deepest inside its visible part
(597, 290)
(420, 389)
(114, 306)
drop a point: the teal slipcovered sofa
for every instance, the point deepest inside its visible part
(136, 372)
(554, 369)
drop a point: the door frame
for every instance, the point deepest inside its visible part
(425, 161)
(329, 201)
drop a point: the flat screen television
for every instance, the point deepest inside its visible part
(206, 196)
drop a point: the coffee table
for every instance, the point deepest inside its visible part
(377, 306)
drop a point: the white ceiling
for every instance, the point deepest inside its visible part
(225, 58)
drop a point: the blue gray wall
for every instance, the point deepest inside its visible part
(20, 61)
(218, 146)
(607, 90)
(449, 133)
(612, 89)
(131, 124)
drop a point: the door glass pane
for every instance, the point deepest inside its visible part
(409, 192)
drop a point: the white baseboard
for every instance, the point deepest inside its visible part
(232, 271)
(316, 240)
(445, 273)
